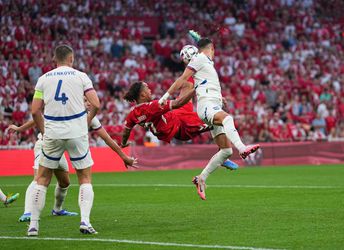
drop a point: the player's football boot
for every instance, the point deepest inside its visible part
(230, 165)
(32, 232)
(63, 213)
(200, 185)
(11, 198)
(25, 217)
(87, 229)
(249, 150)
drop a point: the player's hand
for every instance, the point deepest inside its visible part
(130, 162)
(13, 128)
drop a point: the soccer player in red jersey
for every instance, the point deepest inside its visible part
(167, 121)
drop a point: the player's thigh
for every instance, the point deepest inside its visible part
(52, 152)
(207, 110)
(79, 152)
(222, 141)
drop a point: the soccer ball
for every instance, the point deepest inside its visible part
(187, 52)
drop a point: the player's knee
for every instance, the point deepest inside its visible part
(64, 183)
(227, 152)
(228, 119)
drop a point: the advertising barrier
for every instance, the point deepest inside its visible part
(19, 162)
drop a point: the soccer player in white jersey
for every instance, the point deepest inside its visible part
(209, 109)
(61, 174)
(64, 128)
(8, 199)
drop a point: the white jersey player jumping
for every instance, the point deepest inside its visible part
(209, 109)
(64, 128)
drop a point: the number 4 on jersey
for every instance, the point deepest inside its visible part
(63, 98)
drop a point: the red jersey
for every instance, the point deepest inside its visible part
(156, 118)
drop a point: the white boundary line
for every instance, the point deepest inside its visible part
(188, 186)
(138, 242)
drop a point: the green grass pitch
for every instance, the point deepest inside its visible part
(280, 208)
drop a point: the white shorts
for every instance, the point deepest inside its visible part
(77, 148)
(206, 110)
(63, 164)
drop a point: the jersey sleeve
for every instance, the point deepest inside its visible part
(196, 63)
(87, 83)
(39, 85)
(95, 124)
(155, 109)
(130, 121)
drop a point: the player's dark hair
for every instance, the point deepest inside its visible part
(204, 42)
(134, 92)
(61, 52)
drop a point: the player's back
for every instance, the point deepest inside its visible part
(207, 84)
(63, 94)
(163, 123)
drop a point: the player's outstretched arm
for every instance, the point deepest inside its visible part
(27, 125)
(177, 84)
(36, 111)
(92, 97)
(184, 99)
(128, 161)
(125, 137)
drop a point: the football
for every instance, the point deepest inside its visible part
(187, 52)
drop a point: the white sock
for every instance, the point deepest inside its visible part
(232, 134)
(60, 195)
(216, 161)
(86, 196)
(37, 204)
(28, 196)
(2, 196)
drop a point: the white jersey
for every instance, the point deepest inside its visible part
(65, 116)
(207, 82)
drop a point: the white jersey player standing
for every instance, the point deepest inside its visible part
(209, 109)
(64, 128)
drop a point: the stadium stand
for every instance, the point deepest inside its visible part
(281, 63)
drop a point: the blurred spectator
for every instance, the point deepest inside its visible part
(275, 58)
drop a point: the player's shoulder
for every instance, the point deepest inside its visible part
(199, 57)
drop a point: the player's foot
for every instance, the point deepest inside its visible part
(87, 229)
(63, 213)
(249, 150)
(32, 232)
(200, 185)
(230, 165)
(25, 217)
(11, 198)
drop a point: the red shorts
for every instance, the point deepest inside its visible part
(190, 125)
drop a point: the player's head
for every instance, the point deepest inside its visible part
(64, 55)
(187, 52)
(138, 92)
(206, 45)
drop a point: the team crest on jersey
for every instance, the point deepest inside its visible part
(216, 108)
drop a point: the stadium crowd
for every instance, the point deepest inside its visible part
(281, 63)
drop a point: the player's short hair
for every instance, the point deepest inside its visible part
(62, 51)
(204, 42)
(134, 92)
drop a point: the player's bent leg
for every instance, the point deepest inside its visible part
(61, 190)
(223, 143)
(38, 198)
(222, 118)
